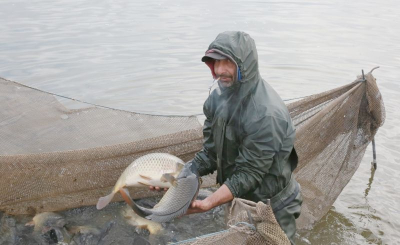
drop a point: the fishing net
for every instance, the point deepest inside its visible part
(249, 223)
(53, 158)
(333, 130)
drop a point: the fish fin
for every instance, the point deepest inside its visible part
(145, 177)
(144, 226)
(163, 179)
(169, 178)
(173, 174)
(104, 201)
(125, 195)
(31, 223)
(143, 183)
(179, 167)
(153, 229)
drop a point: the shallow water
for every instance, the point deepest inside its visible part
(87, 225)
(144, 56)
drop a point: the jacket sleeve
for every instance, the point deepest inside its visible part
(262, 139)
(205, 160)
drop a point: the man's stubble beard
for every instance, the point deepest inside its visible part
(226, 84)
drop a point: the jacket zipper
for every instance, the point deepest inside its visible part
(219, 154)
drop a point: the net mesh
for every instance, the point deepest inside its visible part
(53, 158)
(333, 130)
(249, 223)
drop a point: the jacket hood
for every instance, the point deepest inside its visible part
(241, 49)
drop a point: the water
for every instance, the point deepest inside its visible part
(145, 56)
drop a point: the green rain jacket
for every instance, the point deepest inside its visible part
(248, 132)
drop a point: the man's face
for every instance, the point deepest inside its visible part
(225, 70)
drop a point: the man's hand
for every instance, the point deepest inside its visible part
(221, 196)
(156, 188)
(199, 206)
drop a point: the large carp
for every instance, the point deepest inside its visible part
(175, 201)
(147, 170)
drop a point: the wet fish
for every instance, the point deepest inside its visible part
(88, 234)
(175, 201)
(49, 228)
(133, 219)
(147, 170)
(81, 229)
(43, 222)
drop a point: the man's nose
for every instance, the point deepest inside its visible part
(220, 69)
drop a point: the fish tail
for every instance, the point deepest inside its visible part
(104, 201)
(125, 195)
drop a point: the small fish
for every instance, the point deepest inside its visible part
(43, 222)
(147, 170)
(175, 201)
(133, 219)
(81, 229)
(88, 234)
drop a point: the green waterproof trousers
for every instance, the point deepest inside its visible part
(287, 216)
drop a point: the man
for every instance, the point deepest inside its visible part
(248, 134)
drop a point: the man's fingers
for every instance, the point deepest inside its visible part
(195, 204)
(156, 188)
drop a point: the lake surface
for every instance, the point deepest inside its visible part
(144, 56)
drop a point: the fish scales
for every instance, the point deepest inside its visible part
(176, 201)
(160, 162)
